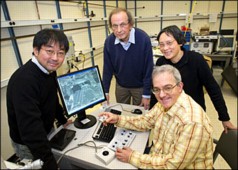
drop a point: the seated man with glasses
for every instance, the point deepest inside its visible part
(182, 130)
(32, 100)
(194, 70)
(128, 56)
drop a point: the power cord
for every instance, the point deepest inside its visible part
(84, 58)
(124, 109)
(120, 106)
(79, 145)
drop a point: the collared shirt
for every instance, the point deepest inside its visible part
(127, 44)
(182, 136)
(126, 47)
(196, 79)
(34, 60)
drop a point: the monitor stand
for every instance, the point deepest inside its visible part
(84, 121)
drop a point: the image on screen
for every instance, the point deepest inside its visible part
(226, 43)
(80, 90)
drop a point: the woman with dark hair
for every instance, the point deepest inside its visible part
(194, 70)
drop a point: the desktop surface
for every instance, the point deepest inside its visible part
(85, 157)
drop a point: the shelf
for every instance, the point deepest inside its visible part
(20, 23)
(183, 15)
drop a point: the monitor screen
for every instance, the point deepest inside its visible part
(80, 90)
(226, 43)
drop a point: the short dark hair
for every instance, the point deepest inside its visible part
(49, 35)
(117, 10)
(175, 32)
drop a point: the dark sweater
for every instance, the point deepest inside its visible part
(195, 74)
(32, 105)
(132, 68)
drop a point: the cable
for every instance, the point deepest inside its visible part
(58, 161)
(79, 145)
(124, 109)
(75, 66)
(186, 26)
(95, 146)
(84, 58)
(68, 64)
(121, 107)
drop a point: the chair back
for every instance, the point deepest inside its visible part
(226, 146)
(208, 60)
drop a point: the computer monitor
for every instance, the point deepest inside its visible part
(79, 91)
(225, 43)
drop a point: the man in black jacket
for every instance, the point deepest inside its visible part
(194, 71)
(32, 101)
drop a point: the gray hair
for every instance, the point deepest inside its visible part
(118, 10)
(167, 68)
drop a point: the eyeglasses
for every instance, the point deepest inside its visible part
(52, 52)
(122, 25)
(169, 43)
(167, 89)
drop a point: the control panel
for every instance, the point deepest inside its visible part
(202, 47)
(123, 138)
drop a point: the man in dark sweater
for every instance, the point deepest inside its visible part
(32, 101)
(127, 56)
(194, 70)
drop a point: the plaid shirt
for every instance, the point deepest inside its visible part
(182, 136)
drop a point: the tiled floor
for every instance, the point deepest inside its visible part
(231, 102)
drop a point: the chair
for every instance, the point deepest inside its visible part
(208, 60)
(226, 146)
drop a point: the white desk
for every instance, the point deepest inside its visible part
(85, 156)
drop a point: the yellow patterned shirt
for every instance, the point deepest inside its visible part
(182, 136)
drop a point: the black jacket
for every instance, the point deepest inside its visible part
(33, 105)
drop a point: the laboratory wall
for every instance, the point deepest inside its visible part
(86, 23)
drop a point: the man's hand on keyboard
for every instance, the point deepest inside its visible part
(111, 118)
(124, 154)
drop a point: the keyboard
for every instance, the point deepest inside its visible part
(105, 133)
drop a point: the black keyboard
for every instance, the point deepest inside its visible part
(105, 133)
